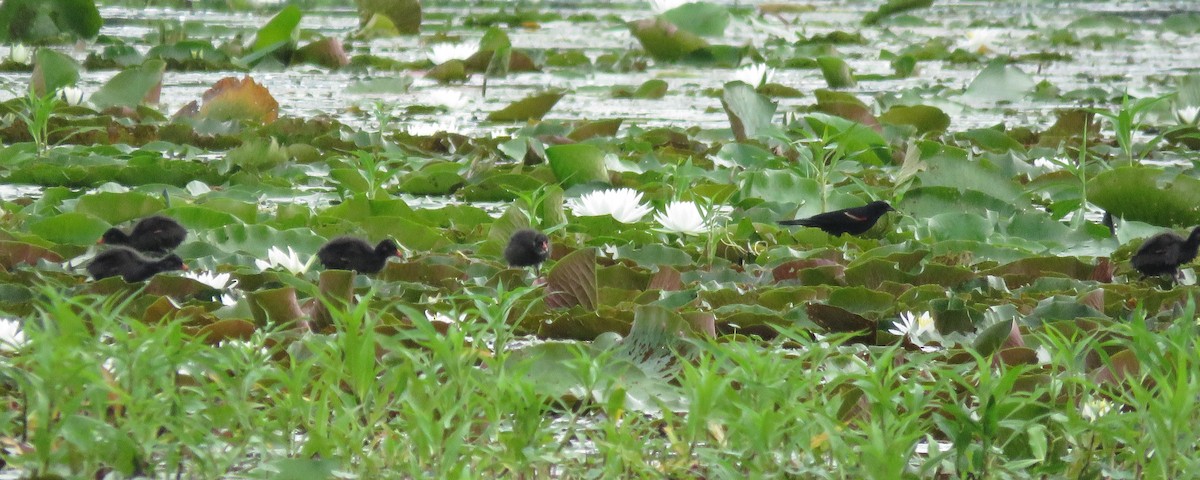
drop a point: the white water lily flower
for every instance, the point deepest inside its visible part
(445, 97)
(756, 75)
(19, 53)
(688, 218)
(1187, 115)
(278, 258)
(72, 95)
(215, 280)
(428, 129)
(1095, 408)
(12, 335)
(440, 53)
(920, 329)
(624, 204)
(981, 40)
(661, 6)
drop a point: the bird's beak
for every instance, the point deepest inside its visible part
(185, 268)
(100, 241)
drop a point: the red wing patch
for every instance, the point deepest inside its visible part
(855, 218)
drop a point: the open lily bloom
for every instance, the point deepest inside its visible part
(688, 218)
(920, 329)
(661, 6)
(12, 335)
(278, 258)
(440, 53)
(1187, 115)
(756, 75)
(623, 204)
(981, 41)
(215, 280)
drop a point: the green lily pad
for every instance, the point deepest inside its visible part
(52, 71)
(750, 114)
(924, 118)
(836, 72)
(533, 107)
(1147, 194)
(577, 163)
(117, 208)
(70, 228)
(132, 87)
(664, 40)
(701, 18)
(999, 82)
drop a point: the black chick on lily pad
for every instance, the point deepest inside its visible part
(527, 248)
(349, 253)
(127, 263)
(854, 221)
(1165, 252)
(155, 234)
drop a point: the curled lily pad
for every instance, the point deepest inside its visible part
(836, 72)
(572, 281)
(52, 71)
(664, 40)
(750, 114)
(233, 99)
(405, 15)
(132, 87)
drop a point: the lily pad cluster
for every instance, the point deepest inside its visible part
(1006, 266)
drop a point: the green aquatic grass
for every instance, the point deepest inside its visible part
(95, 388)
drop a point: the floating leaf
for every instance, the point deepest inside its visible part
(117, 208)
(132, 87)
(276, 306)
(665, 41)
(52, 71)
(70, 228)
(893, 7)
(327, 52)
(233, 99)
(405, 15)
(838, 320)
(999, 82)
(223, 330)
(701, 18)
(572, 281)
(529, 108)
(924, 118)
(577, 163)
(750, 114)
(17, 253)
(281, 29)
(43, 21)
(837, 74)
(1147, 194)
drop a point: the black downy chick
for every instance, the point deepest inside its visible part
(349, 253)
(1165, 252)
(131, 265)
(156, 234)
(527, 248)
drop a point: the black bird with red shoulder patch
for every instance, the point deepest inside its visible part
(854, 221)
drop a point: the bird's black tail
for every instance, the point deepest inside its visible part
(799, 221)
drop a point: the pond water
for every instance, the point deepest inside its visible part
(1137, 62)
